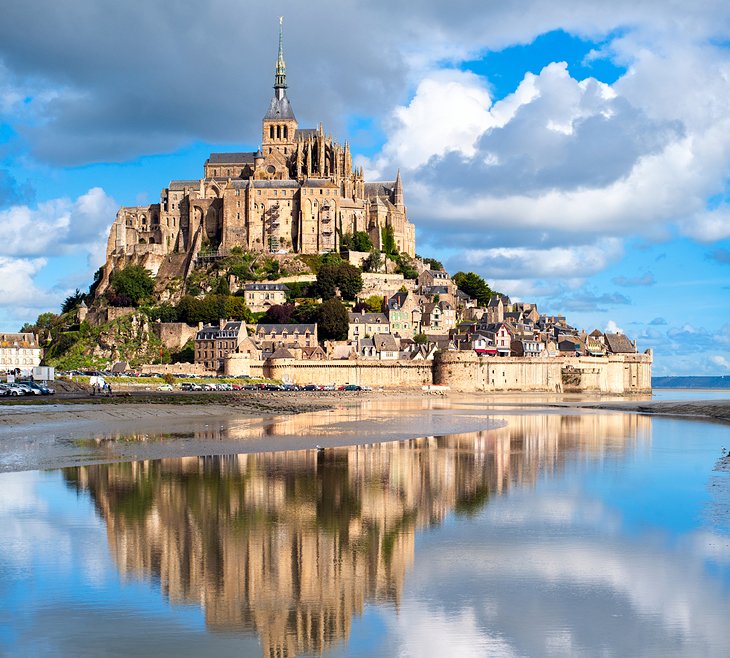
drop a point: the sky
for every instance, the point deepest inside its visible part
(575, 154)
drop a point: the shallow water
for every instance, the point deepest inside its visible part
(556, 535)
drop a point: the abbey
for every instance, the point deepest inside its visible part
(297, 194)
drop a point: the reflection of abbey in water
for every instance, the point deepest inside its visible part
(290, 545)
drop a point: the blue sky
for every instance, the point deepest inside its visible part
(573, 154)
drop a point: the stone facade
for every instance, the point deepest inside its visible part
(297, 193)
(19, 351)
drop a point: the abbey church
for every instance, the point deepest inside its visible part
(297, 194)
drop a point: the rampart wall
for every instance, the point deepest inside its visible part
(461, 371)
(618, 373)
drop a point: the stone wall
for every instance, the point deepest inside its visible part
(175, 368)
(618, 373)
(174, 335)
(110, 313)
(383, 284)
(365, 373)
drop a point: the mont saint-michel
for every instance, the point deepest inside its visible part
(299, 193)
(285, 263)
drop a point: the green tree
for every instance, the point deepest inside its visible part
(361, 241)
(374, 303)
(72, 301)
(420, 339)
(234, 308)
(373, 262)
(474, 286)
(432, 263)
(133, 282)
(349, 281)
(165, 312)
(332, 320)
(306, 313)
(222, 288)
(389, 246)
(327, 280)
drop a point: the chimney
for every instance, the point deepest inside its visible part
(200, 326)
(221, 323)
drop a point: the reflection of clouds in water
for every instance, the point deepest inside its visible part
(662, 598)
(425, 633)
(33, 533)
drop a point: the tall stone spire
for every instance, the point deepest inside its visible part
(280, 76)
(398, 191)
(280, 108)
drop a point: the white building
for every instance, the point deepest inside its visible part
(19, 351)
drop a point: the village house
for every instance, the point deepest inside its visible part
(619, 344)
(404, 315)
(260, 296)
(361, 325)
(19, 351)
(284, 335)
(438, 317)
(214, 342)
(496, 308)
(386, 347)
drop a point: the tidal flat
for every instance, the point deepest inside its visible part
(422, 526)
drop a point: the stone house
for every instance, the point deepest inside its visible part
(386, 347)
(214, 342)
(619, 344)
(500, 333)
(496, 308)
(438, 317)
(365, 324)
(404, 315)
(260, 296)
(19, 351)
(284, 335)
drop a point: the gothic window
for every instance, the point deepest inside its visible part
(286, 135)
(278, 132)
(271, 134)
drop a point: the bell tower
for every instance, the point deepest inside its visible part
(279, 124)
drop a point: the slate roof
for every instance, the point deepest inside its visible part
(282, 353)
(179, 185)
(246, 157)
(278, 329)
(266, 286)
(379, 189)
(367, 318)
(304, 133)
(385, 343)
(318, 182)
(619, 344)
(280, 108)
(213, 331)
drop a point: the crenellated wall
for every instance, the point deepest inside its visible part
(464, 371)
(618, 373)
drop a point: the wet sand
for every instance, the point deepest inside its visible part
(718, 410)
(58, 435)
(86, 431)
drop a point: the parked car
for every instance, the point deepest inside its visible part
(15, 390)
(351, 387)
(38, 389)
(29, 390)
(165, 387)
(310, 387)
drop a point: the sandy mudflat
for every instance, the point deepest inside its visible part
(86, 431)
(57, 435)
(701, 409)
